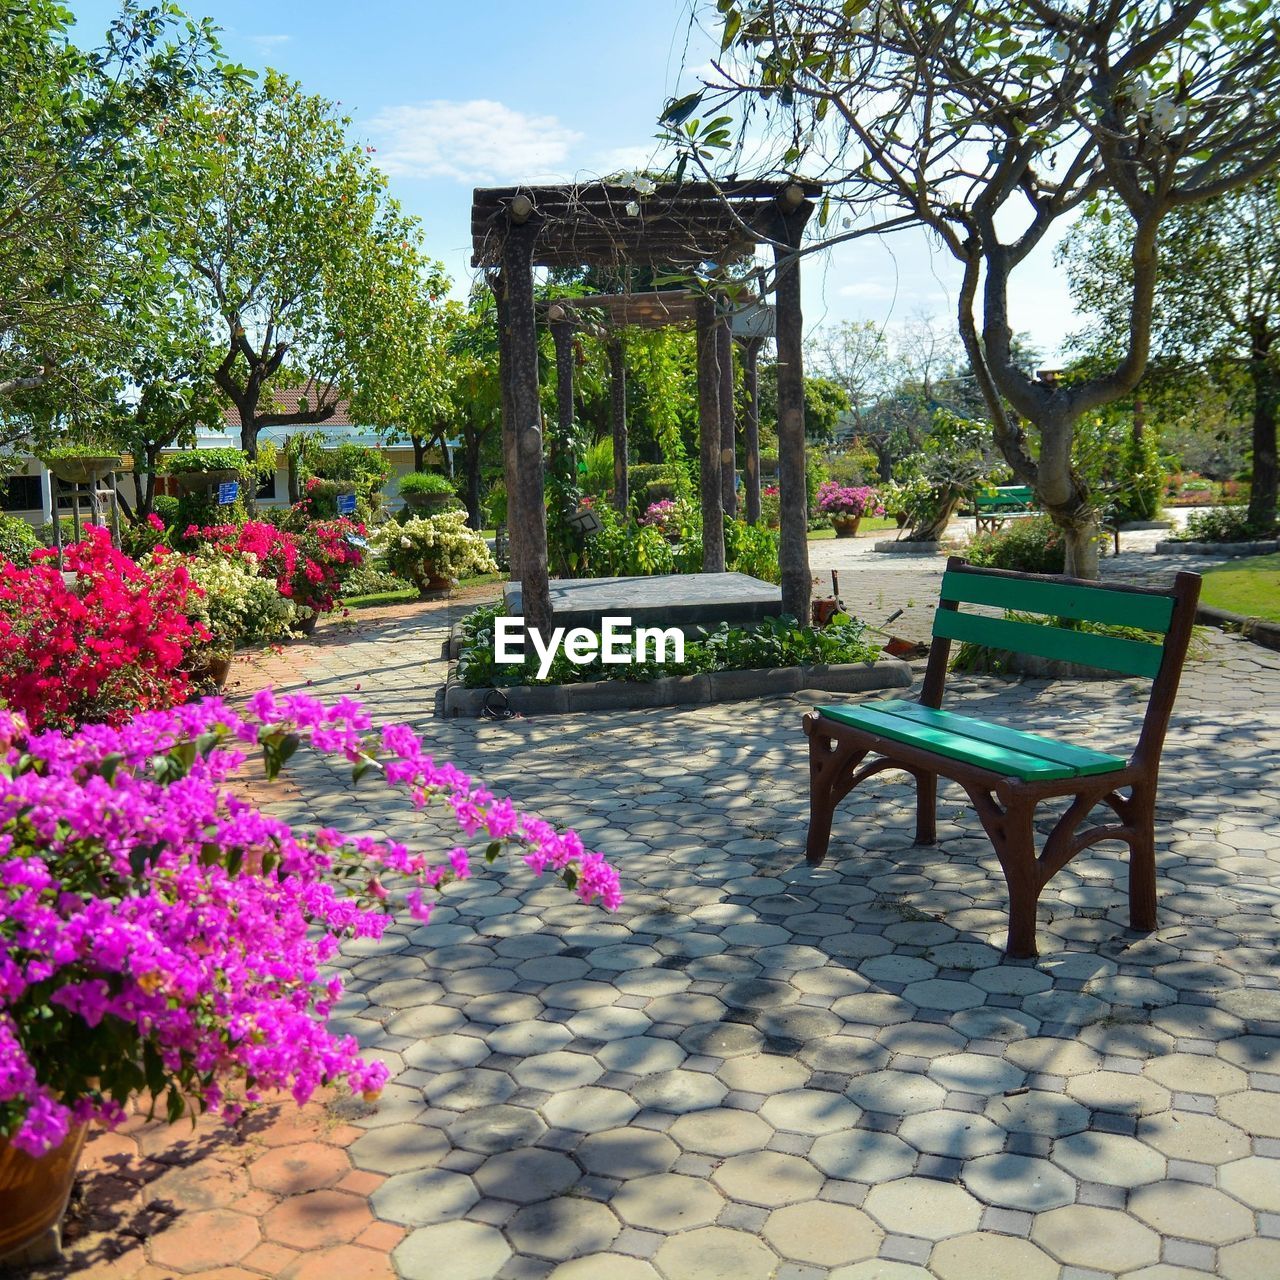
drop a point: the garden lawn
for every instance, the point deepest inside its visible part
(868, 524)
(1250, 587)
(408, 595)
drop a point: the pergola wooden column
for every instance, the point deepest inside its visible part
(676, 227)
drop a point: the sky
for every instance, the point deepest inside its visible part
(455, 95)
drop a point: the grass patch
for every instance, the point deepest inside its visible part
(408, 595)
(868, 524)
(1250, 587)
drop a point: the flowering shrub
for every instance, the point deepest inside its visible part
(663, 516)
(326, 555)
(770, 505)
(162, 936)
(274, 550)
(238, 605)
(109, 643)
(428, 548)
(848, 500)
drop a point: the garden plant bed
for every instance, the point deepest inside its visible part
(676, 691)
(1262, 547)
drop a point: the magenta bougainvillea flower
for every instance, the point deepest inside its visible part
(161, 935)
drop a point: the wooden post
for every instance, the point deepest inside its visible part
(751, 425)
(618, 421)
(791, 213)
(728, 433)
(562, 337)
(709, 438)
(510, 464)
(521, 378)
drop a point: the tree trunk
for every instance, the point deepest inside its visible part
(751, 426)
(295, 484)
(728, 443)
(147, 495)
(1266, 391)
(471, 461)
(419, 452)
(562, 337)
(618, 425)
(510, 462)
(521, 373)
(709, 439)
(793, 549)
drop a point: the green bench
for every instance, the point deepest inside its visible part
(1007, 772)
(1009, 501)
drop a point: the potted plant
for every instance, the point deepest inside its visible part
(145, 958)
(433, 551)
(427, 491)
(845, 505)
(197, 469)
(84, 463)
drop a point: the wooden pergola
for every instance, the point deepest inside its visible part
(675, 227)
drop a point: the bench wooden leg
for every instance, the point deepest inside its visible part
(829, 770)
(1012, 834)
(1142, 866)
(926, 808)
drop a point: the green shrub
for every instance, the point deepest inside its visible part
(815, 476)
(1223, 524)
(426, 482)
(167, 508)
(17, 541)
(1029, 545)
(495, 505)
(69, 535)
(362, 465)
(194, 461)
(856, 467)
(370, 579)
(658, 482)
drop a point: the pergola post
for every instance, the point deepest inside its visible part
(521, 377)
(751, 425)
(709, 437)
(562, 337)
(510, 467)
(618, 423)
(728, 433)
(791, 214)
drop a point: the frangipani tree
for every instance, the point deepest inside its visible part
(990, 124)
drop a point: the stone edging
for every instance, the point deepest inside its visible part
(1167, 547)
(681, 691)
(895, 546)
(1260, 630)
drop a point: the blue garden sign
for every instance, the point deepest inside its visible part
(228, 492)
(346, 504)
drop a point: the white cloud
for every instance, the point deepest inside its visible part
(477, 141)
(265, 44)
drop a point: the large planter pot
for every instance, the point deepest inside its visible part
(845, 526)
(430, 584)
(429, 503)
(307, 625)
(33, 1198)
(211, 670)
(85, 470)
(194, 481)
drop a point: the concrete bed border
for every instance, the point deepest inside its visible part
(1264, 547)
(1260, 630)
(681, 691)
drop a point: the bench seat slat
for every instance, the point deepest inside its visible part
(974, 750)
(1063, 600)
(1130, 657)
(1083, 760)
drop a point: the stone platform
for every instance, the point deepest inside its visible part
(684, 600)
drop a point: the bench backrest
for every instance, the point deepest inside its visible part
(1009, 495)
(1167, 615)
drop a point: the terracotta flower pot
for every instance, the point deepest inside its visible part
(430, 583)
(845, 526)
(33, 1197)
(210, 669)
(307, 625)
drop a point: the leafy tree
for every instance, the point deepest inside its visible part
(284, 229)
(989, 124)
(69, 155)
(1217, 307)
(824, 401)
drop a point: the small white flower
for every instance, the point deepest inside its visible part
(1140, 95)
(406, 543)
(1059, 50)
(644, 186)
(1163, 111)
(633, 209)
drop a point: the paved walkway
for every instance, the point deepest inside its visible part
(755, 1071)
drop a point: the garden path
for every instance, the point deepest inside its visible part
(758, 1071)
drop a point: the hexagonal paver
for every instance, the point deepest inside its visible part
(641, 1055)
(1019, 1182)
(923, 1207)
(423, 1197)
(667, 1202)
(722, 1039)
(959, 1134)
(715, 1253)
(1254, 1111)
(979, 1073)
(679, 1091)
(1254, 1180)
(1195, 1073)
(823, 1233)
(526, 1175)
(1038, 1111)
(205, 1240)
(500, 1128)
(1250, 1260)
(863, 1156)
(605, 1266)
(627, 1153)
(1192, 1212)
(944, 993)
(1110, 1158)
(590, 1109)
(557, 1070)
(763, 1073)
(897, 1093)
(562, 1228)
(319, 1219)
(472, 1087)
(849, 1055)
(1119, 1091)
(452, 1251)
(873, 1009)
(720, 1132)
(1053, 1056)
(1104, 1239)
(1252, 1053)
(397, 1148)
(1187, 1135)
(525, 1039)
(615, 1023)
(991, 1256)
(811, 1111)
(768, 1178)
